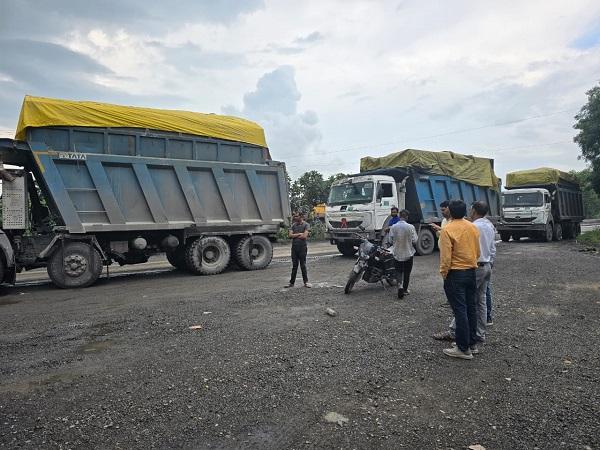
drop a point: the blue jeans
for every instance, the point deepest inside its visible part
(460, 288)
(488, 301)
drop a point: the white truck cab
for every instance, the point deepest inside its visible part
(361, 204)
(524, 211)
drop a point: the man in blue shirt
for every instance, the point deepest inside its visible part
(395, 217)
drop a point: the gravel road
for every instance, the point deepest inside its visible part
(117, 365)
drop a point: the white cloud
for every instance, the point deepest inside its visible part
(378, 76)
(273, 104)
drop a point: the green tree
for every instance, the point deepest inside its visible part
(591, 200)
(310, 189)
(588, 138)
(307, 191)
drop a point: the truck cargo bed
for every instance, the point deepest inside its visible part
(105, 180)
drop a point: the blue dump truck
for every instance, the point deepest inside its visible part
(416, 180)
(88, 184)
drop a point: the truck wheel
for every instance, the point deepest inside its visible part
(207, 255)
(346, 248)
(74, 265)
(254, 252)
(425, 242)
(568, 231)
(177, 258)
(505, 236)
(558, 234)
(548, 234)
(2, 269)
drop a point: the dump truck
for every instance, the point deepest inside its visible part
(416, 180)
(318, 212)
(543, 203)
(93, 184)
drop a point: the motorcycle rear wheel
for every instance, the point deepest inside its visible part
(353, 278)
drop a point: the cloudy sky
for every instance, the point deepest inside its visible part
(330, 81)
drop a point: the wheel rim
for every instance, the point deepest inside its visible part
(549, 232)
(256, 252)
(211, 255)
(75, 265)
(426, 242)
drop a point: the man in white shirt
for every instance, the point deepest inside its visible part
(487, 247)
(403, 237)
(445, 218)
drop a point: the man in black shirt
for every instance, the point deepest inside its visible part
(299, 234)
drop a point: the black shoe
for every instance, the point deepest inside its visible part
(400, 293)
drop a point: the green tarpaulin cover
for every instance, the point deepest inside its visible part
(472, 169)
(542, 175)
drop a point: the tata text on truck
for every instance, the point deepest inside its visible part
(99, 184)
(543, 203)
(416, 180)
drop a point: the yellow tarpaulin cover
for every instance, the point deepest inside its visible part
(47, 112)
(472, 169)
(542, 175)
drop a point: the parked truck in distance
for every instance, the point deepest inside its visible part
(98, 184)
(415, 180)
(544, 204)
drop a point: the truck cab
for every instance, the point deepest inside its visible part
(361, 204)
(525, 211)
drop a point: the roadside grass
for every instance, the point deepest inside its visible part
(590, 237)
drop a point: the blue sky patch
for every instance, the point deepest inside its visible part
(589, 39)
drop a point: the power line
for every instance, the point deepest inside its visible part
(495, 149)
(464, 130)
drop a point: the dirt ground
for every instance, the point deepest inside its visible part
(117, 365)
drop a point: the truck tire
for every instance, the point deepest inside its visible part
(557, 234)
(254, 252)
(208, 255)
(548, 234)
(568, 230)
(177, 258)
(2, 268)
(346, 248)
(74, 265)
(505, 236)
(425, 242)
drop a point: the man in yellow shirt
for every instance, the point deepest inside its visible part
(459, 252)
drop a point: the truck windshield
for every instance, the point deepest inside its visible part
(523, 199)
(351, 193)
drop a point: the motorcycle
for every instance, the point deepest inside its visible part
(374, 264)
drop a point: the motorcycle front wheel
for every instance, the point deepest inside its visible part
(353, 278)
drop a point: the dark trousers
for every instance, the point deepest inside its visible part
(460, 287)
(403, 270)
(299, 257)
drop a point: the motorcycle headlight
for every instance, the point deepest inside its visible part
(365, 248)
